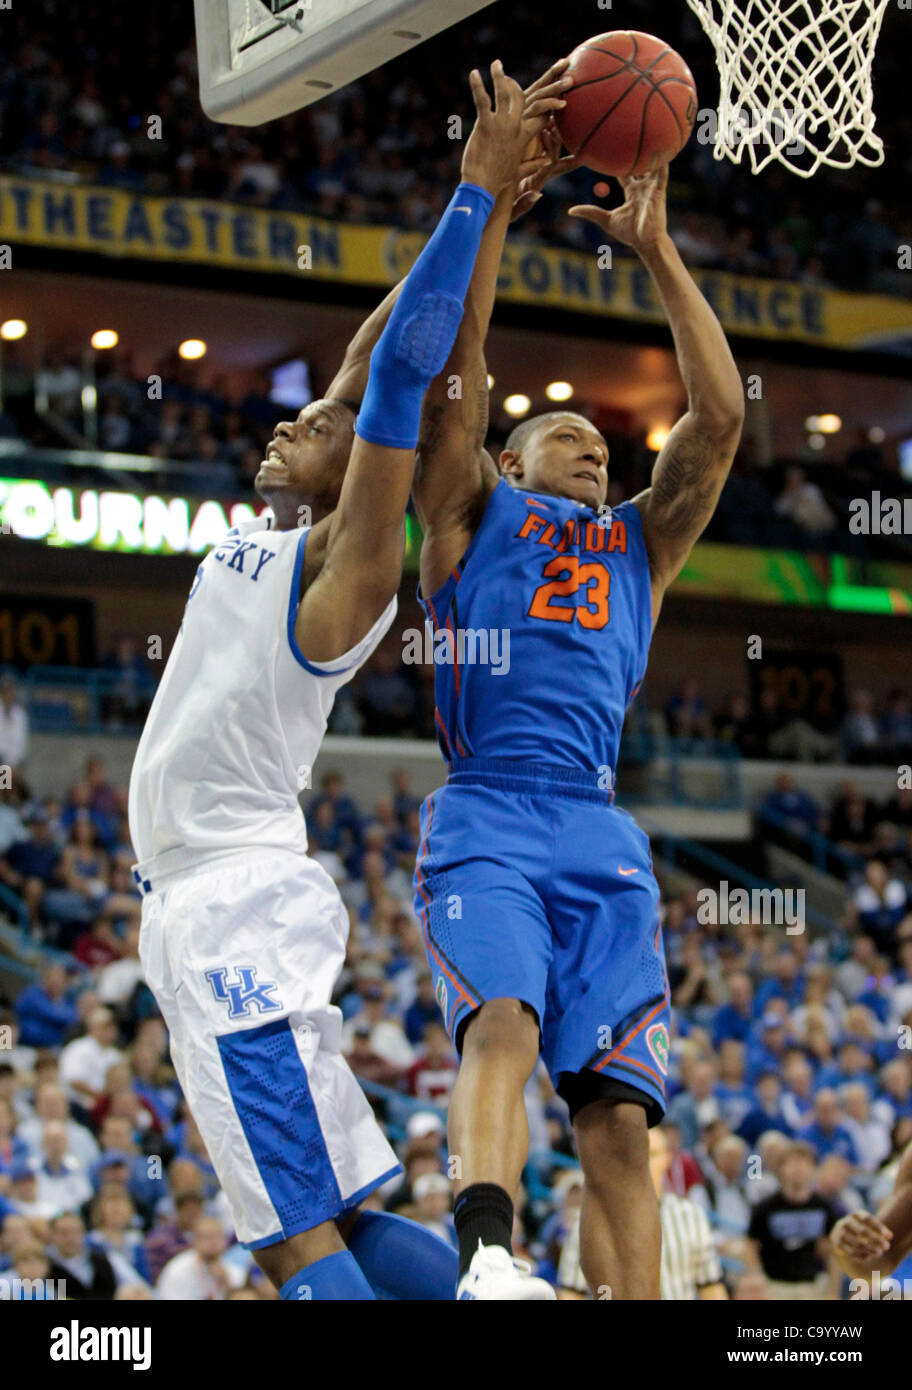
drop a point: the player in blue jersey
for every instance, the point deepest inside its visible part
(279, 617)
(535, 890)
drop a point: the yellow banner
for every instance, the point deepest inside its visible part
(125, 225)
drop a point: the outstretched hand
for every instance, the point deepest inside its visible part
(860, 1237)
(549, 167)
(641, 220)
(497, 152)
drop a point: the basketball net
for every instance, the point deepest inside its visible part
(794, 81)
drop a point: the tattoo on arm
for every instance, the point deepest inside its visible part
(433, 421)
(684, 488)
(480, 420)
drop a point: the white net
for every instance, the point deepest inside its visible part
(795, 81)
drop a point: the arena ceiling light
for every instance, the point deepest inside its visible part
(490, 381)
(558, 390)
(13, 329)
(876, 434)
(823, 424)
(517, 404)
(816, 441)
(192, 348)
(656, 437)
(104, 338)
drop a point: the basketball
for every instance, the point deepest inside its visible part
(633, 104)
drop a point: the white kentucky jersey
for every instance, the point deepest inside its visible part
(239, 715)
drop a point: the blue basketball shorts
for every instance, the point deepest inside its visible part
(531, 884)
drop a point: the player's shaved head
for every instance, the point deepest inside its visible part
(522, 432)
(560, 454)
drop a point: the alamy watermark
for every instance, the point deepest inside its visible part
(739, 907)
(462, 646)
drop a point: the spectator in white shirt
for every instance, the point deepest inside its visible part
(12, 826)
(14, 727)
(61, 1180)
(728, 1185)
(804, 504)
(84, 1063)
(117, 981)
(387, 1036)
(51, 1104)
(86, 1270)
(871, 1135)
(23, 1194)
(201, 1273)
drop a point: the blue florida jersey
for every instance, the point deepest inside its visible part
(541, 633)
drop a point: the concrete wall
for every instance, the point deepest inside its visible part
(57, 760)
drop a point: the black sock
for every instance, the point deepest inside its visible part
(483, 1212)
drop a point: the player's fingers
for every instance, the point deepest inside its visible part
(871, 1229)
(863, 1234)
(479, 94)
(502, 93)
(569, 162)
(589, 213)
(523, 203)
(543, 105)
(536, 164)
(554, 74)
(534, 125)
(560, 88)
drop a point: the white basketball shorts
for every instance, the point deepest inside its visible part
(242, 954)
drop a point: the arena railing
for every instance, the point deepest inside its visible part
(823, 852)
(715, 867)
(86, 700)
(18, 458)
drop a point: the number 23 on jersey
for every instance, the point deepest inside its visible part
(566, 577)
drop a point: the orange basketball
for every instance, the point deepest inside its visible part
(632, 106)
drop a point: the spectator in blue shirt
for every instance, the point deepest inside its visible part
(733, 1020)
(734, 1095)
(787, 982)
(769, 1046)
(45, 1013)
(798, 1096)
(767, 1113)
(854, 1062)
(827, 1133)
(345, 813)
(78, 804)
(881, 902)
(789, 808)
(422, 1011)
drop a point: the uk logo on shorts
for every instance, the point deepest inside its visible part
(244, 992)
(658, 1044)
(441, 994)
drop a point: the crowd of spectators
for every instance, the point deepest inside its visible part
(379, 150)
(871, 732)
(211, 440)
(790, 1074)
(855, 837)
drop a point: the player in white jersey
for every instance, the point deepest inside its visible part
(243, 935)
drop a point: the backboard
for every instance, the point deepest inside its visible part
(261, 59)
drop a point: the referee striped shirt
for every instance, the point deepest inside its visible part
(689, 1258)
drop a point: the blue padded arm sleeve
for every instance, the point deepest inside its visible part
(416, 342)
